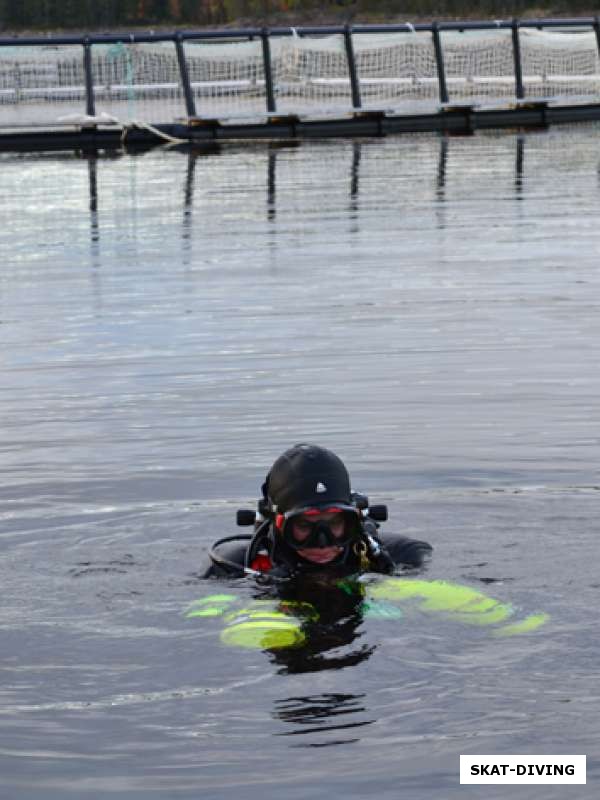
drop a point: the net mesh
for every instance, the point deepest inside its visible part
(479, 66)
(38, 84)
(396, 72)
(560, 65)
(311, 75)
(228, 79)
(138, 82)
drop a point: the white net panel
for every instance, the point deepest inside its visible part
(227, 78)
(311, 75)
(397, 70)
(560, 65)
(479, 66)
(39, 84)
(42, 85)
(138, 82)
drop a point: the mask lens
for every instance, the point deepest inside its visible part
(337, 528)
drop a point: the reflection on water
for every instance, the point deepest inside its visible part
(170, 322)
(196, 157)
(332, 632)
(320, 713)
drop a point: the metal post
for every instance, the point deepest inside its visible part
(354, 84)
(90, 105)
(439, 62)
(190, 104)
(597, 31)
(519, 91)
(266, 48)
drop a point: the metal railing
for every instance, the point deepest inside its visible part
(264, 35)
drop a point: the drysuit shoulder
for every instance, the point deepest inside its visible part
(405, 551)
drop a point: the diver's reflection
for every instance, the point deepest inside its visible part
(331, 610)
(322, 713)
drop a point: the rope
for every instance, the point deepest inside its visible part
(119, 50)
(151, 129)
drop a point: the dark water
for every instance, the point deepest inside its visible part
(428, 308)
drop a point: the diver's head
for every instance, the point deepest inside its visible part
(308, 493)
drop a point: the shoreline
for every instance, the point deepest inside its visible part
(282, 20)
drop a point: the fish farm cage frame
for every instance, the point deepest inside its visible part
(296, 83)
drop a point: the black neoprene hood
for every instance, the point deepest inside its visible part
(307, 476)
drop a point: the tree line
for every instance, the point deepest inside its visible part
(101, 14)
(106, 14)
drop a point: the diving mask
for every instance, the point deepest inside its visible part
(307, 528)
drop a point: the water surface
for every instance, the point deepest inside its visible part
(170, 322)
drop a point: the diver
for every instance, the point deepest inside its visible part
(313, 540)
(309, 521)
